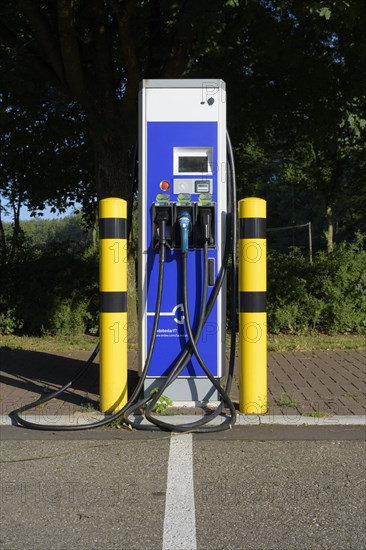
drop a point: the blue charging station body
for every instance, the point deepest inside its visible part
(182, 166)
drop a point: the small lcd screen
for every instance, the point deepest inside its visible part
(202, 186)
(193, 164)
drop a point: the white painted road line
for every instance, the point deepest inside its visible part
(180, 514)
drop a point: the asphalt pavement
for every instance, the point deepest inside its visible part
(275, 485)
(125, 492)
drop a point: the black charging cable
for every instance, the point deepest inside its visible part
(136, 393)
(185, 355)
(200, 425)
(15, 414)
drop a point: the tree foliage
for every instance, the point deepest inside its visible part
(296, 79)
(95, 52)
(299, 93)
(326, 296)
(296, 82)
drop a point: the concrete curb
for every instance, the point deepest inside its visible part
(242, 420)
(298, 420)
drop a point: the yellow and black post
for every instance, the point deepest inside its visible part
(113, 304)
(252, 307)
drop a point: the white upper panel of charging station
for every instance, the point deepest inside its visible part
(184, 100)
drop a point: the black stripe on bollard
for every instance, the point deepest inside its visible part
(112, 228)
(112, 302)
(252, 228)
(252, 302)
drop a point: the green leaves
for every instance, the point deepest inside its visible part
(232, 3)
(325, 12)
(296, 95)
(327, 296)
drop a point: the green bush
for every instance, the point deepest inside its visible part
(9, 323)
(53, 294)
(328, 295)
(70, 317)
(56, 292)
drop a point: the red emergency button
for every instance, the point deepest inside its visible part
(164, 185)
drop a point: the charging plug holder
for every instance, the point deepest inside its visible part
(205, 225)
(192, 235)
(162, 212)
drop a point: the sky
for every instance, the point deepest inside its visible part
(47, 214)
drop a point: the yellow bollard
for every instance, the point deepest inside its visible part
(252, 307)
(113, 304)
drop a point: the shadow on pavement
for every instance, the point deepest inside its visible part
(33, 372)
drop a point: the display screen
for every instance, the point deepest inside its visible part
(193, 164)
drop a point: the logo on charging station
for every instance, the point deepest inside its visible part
(177, 313)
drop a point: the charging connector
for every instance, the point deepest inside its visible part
(206, 225)
(161, 220)
(185, 226)
(180, 209)
(162, 225)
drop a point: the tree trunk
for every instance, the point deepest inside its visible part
(17, 235)
(330, 230)
(111, 159)
(2, 243)
(93, 233)
(112, 170)
(94, 230)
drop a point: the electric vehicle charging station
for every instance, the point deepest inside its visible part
(187, 233)
(182, 179)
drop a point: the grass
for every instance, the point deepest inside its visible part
(292, 342)
(311, 342)
(163, 403)
(48, 343)
(276, 342)
(87, 406)
(287, 401)
(317, 414)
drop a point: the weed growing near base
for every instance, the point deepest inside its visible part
(287, 401)
(317, 414)
(88, 406)
(163, 403)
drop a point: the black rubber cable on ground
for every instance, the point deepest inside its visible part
(178, 367)
(200, 425)
(231, 234)
(179, 364)
(110, 418)
(234, 270)
(186, 354)
(15, 413)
